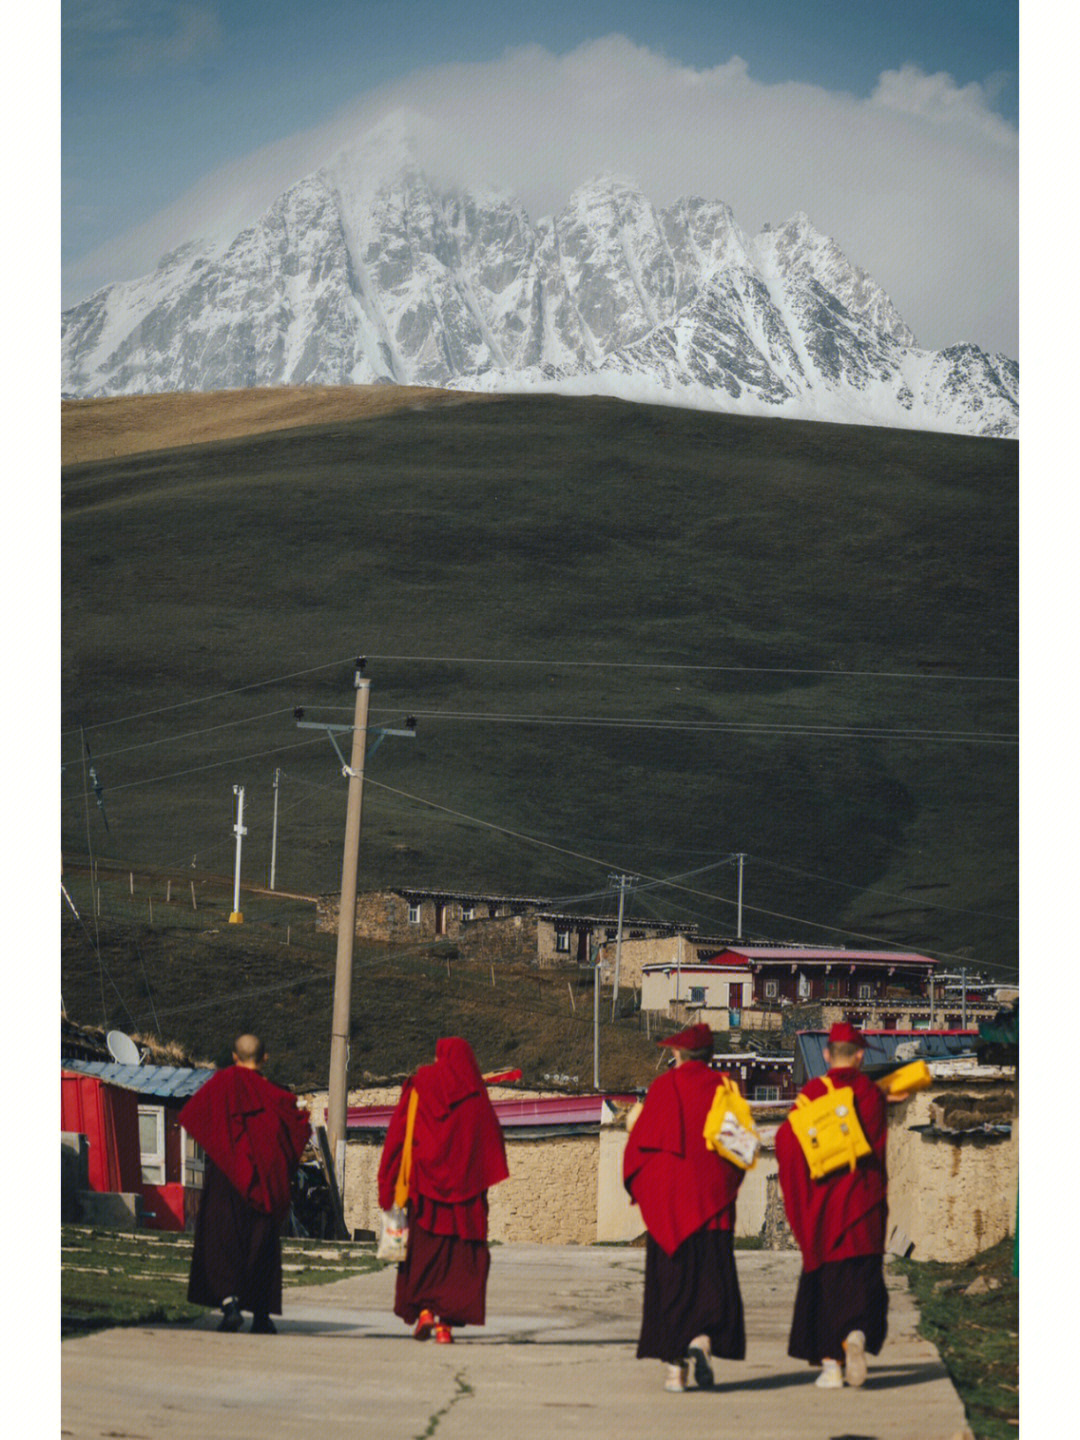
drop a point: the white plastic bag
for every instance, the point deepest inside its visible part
(394, 1241)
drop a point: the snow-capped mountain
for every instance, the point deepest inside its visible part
(366, 272)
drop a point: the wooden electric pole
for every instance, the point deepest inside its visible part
(339, 1029)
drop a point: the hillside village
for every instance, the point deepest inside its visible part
(769, 1007)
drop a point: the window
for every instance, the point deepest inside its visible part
(804, 986)
(766, 1092)
(152, 1143)
(697, 994)
(414, 914)
(864, 992)
(194, 1160)
(468, 912)
(772, 989)
(562, 942)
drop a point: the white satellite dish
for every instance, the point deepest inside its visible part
(122, 1048)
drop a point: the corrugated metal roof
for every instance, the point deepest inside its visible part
(513, 1114)
(162, 1082)
(881, 1048)
(794, 954)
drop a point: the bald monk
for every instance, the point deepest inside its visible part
(253, 1134)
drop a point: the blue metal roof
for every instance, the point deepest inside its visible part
(162, 1082)
(881, 1048)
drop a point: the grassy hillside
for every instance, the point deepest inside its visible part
(681, 573)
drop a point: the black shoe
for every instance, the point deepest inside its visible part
(263, 1325)
(231, 1318)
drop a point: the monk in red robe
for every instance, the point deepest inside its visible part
(458, 1153)
(253, 1134)
(692, 1305)
(839, 1222)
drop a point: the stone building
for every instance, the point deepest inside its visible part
(525, 929)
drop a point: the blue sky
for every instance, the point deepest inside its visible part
(157, 95)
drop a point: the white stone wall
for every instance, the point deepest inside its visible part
(952, 1198)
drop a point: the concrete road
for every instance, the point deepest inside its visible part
(555, 1359)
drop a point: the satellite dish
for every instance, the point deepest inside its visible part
(122, 1048)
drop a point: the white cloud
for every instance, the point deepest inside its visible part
(134, 37)
(917, 183)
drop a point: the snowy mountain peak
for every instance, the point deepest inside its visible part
(365, 271)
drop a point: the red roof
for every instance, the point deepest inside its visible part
(550, 1110)
(795, 955)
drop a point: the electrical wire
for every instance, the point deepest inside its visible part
(873, 890)
(557, 664)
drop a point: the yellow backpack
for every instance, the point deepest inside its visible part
(828, 1130)
(729, 1126)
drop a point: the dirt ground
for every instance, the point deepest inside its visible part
(133, 424)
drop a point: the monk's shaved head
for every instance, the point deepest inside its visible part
(249, 1050)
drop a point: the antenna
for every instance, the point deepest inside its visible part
(122, 1048)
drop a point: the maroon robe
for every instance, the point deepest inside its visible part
(680, 1184)
(458, 1153)
(843, 1214)
(253, 1134)
(687, 1197)
(839, 1224)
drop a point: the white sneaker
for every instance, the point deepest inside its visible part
(831, 1377)
(855, 1358)
(698, 1356)
(675, 1383)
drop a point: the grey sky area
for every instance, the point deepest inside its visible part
(916, 182)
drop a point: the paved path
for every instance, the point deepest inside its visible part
(555, 1359)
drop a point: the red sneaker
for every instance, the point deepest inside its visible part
(424, 1325)
(443, 1336)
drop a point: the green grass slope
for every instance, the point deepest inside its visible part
(701, 634)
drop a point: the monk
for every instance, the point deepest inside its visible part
(692, 1304)
(839, 1222)
(253, 1134)
(458, 1153)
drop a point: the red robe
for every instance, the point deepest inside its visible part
(458, 1149)
(842, 1215)
(458, 1153)
(680, 1184)
(253, 1132)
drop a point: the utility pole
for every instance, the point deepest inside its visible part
(621, 881)
(339, 1028)
(273, 834)
(932, 987)
(738, 918)
(337, 1086)
(236, 918)
(963, 997)
(596, 1022)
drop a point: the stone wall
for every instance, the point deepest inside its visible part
(549, 1199)
(951, 1197)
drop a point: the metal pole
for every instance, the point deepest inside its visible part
(339, 1032)
(273, 834)
(932, 987)
(236, 918)
(963, 997)
(618, 942)
(738, 920)
(596, 1022)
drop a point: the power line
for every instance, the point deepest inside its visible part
(671, 884)
(873, 890)
(556, 664)
(718, 669)
(205, 699)
(188, 734)
(214, 765)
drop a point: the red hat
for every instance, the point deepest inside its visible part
(844, 1033)
(696, 1037)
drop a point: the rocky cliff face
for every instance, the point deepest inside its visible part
(365, 273)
